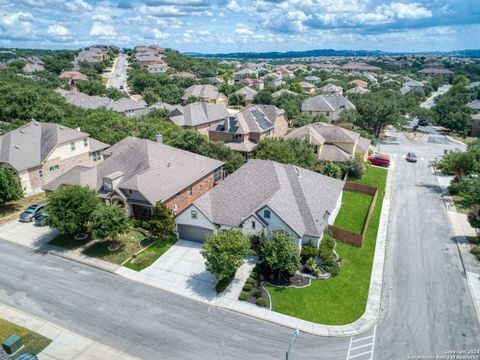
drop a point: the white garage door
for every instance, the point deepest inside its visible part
(193, 233)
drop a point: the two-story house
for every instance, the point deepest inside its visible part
(205, 93)
(244, 130)
(330, 105)
(137, 173)
(39, 152)
(199, 116)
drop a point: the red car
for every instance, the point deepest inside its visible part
(379, 160)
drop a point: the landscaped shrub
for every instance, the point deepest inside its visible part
(476, 251)
(254, 275)
(251, 280)
(474, 216)
(222, 284)
(257, 293)
(325, 252)
(308, 251)
(243, 296)
(247, 287)
(311, 265)
(262, 302)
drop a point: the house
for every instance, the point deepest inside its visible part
(40, 152)
(474, 105)
(333, 142)
(85, 101)
(357, 90)
(312, 79)
(433, 72)
(206, 93)
(358, 67)
(307, 87)
(244, 73)
(326, 66)
(157, 68)
(331, 89)
(253, 82)
(33, 64)
(137, 173)
(277, 82)
(360, 83)
(199, 116)
(128, 106)
(262, 197)
(248, 94)
(330, 105)
(216, 81)
(283, 72)
(284, 92)
(72, 77)
(414, 85)
(92, 55)
(245, 129)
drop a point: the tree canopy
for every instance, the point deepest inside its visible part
(10, 187)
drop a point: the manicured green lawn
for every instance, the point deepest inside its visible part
(342, 299)
(66, 242)
(354, 211)
(151, 254)
(34, 343)
(131, 242)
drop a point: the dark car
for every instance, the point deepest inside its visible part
(423, 123)
(380, 160)
(32, 211)
(411, 157)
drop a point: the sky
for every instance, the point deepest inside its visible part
(243, 25)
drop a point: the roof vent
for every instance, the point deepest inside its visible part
(22, 132)
(297, 171)
(17, 147)
(168, 164)
(60, 127)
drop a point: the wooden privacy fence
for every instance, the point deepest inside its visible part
(349, 237)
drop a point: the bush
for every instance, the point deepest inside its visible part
(251, 280)
(311, 265)
(247, 287)
(222, 284)
(328, 241)
(243, 296)
(254, 275)
(262, 302)
(355, 168)
(257, 293)
(308, 251)
(474, 216)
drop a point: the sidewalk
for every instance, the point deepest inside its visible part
(65, 345)
(461, 228)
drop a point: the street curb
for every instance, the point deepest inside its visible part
(455, 141)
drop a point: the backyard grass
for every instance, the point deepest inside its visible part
(151, 254)
(20, 205)
(342, 299)
(354, 211)
(130, 243)
(33, 342)
(66, 242)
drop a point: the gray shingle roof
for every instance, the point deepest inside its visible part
(283, 92)
(330, 133)
(299, 196)
(358, 90)
(198, 113)
(201, 92)
(327, 102)
(156, 170)
(363, 144)
(29, 145)
(248, 92)
(474, 105)
(332, 152)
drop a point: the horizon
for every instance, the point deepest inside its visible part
(226, 26)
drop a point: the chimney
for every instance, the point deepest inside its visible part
(77, 128)
(159, 138)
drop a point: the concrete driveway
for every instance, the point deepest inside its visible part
(27, 234)
(181, 270)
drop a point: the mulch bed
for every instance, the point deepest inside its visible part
(253, 299)
(296, 280)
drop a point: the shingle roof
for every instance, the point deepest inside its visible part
(358, 90)
(332, 152)
(330, 133)
(475, 105)
(127, 104)
(300, 197)
(201, 92)
(198, 113)
(331, 88)
(248, 92)
(327, 102)
(29, 145)
(363, 144)
(306, 85)
(156, 170)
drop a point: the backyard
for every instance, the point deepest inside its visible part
(354, 211)
(341, 299)
(34, 343)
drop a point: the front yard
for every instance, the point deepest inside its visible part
(354, 211)
(20, 205)
(34, 343)
(151, 254)
(341, 299)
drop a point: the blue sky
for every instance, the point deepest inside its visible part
(243, 25)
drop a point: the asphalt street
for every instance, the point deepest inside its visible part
(118, 77)
(427, 307)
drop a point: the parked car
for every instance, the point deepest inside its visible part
(41, 219)
(27, 356)
(121, 87)
(379, 160)
(423, 123)
(411, 157)
(33, 210)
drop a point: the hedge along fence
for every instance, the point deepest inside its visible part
(349, 237)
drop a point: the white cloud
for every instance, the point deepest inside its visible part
(78, 5)
(242, 29)
(58, 30)
(236, 8)
(404, 11)
(102, 30)
(157, 34)
(102, 18)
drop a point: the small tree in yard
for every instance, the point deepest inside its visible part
(162, 222)
(109, 222)
(224, 253)
(10, 188)
(279, 254)
(70, 208)
(474, 216)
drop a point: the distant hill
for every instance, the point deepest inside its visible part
(329, 52)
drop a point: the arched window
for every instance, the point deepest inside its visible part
(266, 214)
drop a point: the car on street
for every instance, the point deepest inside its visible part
(379, 160)
(121, 87)
(32, 211)
(411, 157)
(423, 123)
(41, 219)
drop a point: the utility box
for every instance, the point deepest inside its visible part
(12, 344)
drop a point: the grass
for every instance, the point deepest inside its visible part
(151, 254)
(466, 140)
(34, 343)
(66, 242)
(130, 243)
(354, 211)
(20, 205)
(461, 204)
(341, 299)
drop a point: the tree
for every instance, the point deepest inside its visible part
(162, 222)
(286, 151)
(236, 99)
(224, 252)
(70, 208)
(296, 87)
(459, 163)
(10, 187)
(305, 119)
(263, 97)
(108, 222)
(329, 168)
(279, 254)
(474, 216)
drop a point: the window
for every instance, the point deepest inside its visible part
(174, 208)
(107, 184)
(193, 214)
(253, 224)
(72, 146)
(190, 191)
(53, 168)
(217, 175)
(85, 142)
(96, 155)
(266, 214)
(40, 173)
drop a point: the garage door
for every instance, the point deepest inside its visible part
(193, 233)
